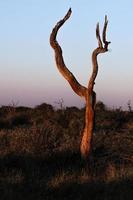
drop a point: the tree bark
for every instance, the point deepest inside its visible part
(75, 85)
(86, 92)
(87, 135)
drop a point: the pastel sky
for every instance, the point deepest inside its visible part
(28, 71)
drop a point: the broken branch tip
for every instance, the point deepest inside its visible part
(70, 10)
(106, 19)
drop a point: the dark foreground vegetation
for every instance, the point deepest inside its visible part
(40, 159)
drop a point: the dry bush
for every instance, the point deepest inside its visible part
(43, 156)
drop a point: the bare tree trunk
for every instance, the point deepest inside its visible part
(86, 92)
(87, 135)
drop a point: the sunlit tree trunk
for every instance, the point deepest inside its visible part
(86, 92)
(87, 135)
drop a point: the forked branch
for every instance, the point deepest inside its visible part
(78, 89)
(102, 48)
(88, 93)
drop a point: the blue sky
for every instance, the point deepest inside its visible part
(28, 71)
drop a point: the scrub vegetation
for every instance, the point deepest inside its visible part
(40, 156)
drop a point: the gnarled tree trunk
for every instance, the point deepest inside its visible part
(86, 92)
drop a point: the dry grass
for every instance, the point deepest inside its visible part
(40, 159)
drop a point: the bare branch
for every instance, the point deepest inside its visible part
(104, 29)
(78, 89)
(100, 49)
(106, 43)
(57, 27)
(98, 36)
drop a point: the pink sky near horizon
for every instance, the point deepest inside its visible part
(28, 71)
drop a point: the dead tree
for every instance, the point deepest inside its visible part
(86, 92)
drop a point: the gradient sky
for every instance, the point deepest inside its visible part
(28, 71)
